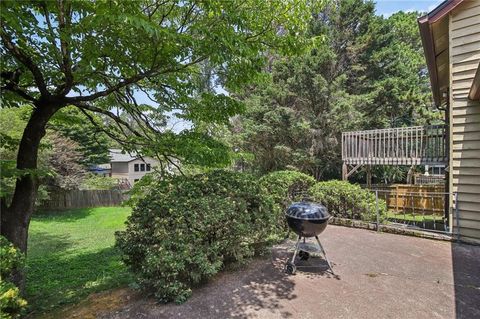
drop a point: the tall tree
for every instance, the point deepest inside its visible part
(295, 120)
(368, 72)
(59, 158)
(98, 56)
(91, 142)
(65, 161)
(396, 77)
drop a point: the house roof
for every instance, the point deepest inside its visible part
(434, 33)
(116, 156)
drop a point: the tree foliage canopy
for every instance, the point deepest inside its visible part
(92, 143)
(98, 56)
(369, 72)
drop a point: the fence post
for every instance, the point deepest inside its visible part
(376, 209)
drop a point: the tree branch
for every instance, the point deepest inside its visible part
(111, 115)
(185, 18)
(26, 61)
(136, 78)
(173, 163)
(50, 29)
(113, 88)
(64, 22)
(107, 132)
(19, 92)
(12, 85)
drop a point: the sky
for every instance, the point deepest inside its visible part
(389, 7)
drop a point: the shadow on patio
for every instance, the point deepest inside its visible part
(466, 276)
(378, 275)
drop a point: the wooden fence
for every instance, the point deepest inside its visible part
(413, 199)
(60, 200)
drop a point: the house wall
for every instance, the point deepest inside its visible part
(464, 53)
(132, 175)
(119, 169)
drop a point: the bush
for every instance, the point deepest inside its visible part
(187, 228)
(284, 187)
(11, 304)
(94, 181)
(141, 189)
(346, 200)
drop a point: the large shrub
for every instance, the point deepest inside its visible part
(346, 200)
(11, 303)
(141, 189)
(284, 187)
(188, 227)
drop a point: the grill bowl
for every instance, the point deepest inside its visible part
(307, 219)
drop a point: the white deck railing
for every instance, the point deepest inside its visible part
(416, 145)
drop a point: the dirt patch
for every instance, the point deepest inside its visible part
(95, 305)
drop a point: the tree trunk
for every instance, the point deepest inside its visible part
(16, 218)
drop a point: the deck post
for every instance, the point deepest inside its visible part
(369, 176)
(410, 174)
(344, 172)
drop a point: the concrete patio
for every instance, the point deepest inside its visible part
(378, 275)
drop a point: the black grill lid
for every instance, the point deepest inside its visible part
(307, 210)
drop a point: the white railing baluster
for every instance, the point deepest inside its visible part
(396, 146)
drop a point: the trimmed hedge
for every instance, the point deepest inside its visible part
(12, 305)
(187, 228)
(284, 187)
(346, 200)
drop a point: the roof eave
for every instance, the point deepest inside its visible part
(442, 10)
(426, 34)
(431, 59)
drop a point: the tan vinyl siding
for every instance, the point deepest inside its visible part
(464, 47)
(119, 168)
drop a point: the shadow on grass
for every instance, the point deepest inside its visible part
(54, 280)
(70, 215)
(41, 244)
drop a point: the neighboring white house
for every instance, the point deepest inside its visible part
(130, 167)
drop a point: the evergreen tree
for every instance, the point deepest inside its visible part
(366, 72)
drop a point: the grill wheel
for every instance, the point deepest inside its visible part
(290, 268)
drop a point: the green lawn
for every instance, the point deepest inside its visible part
(417, 217)
(426, 221)
(71, 254)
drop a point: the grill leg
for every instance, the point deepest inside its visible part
(296, 249)
(324, 254)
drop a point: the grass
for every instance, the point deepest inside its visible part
(71, 254)
(417, 217)
(434, 222)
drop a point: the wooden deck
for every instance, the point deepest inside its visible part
(416, 145)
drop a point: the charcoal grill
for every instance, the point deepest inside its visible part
(306, 219)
